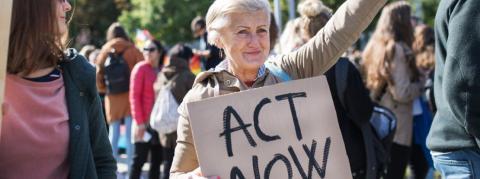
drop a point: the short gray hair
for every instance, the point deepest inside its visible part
(221, 8)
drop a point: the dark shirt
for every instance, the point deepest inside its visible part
(214, 59)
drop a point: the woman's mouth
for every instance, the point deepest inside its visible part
(256, 52)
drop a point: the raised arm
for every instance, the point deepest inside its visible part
(322, 51)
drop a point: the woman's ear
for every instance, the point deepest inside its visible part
(219, 43)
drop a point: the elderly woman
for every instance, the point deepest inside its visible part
(241, 29)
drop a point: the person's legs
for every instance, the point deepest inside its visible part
(128, 137)
(399, 155)
(418, 162)
(461, 164)
(114, 136)
(167, 161)
(140, 157)
(155, 161)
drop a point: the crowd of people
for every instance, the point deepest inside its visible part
(77, 106)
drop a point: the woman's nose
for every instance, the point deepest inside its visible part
(67, 6)
(254, 39)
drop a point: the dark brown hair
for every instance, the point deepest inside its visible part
(116, 31)
(314, 16)
(35, 40)
(198, 23)
(424, 47)
(273, 31)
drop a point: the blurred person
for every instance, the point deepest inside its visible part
(241, 29)
(454, 137)
(117, 106)
(52, 123)
(176, 74)
(142, 98)
(290, 39)
(87, 50)
(393, 78)
(210, 54)
(93, 56)
(424, 50)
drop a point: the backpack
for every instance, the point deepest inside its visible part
(117, 73)
(164, 116)
(377, 134)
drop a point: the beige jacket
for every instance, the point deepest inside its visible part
(312, 59)
(399, 97)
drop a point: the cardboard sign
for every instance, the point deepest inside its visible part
(288, 130)
(5, 18)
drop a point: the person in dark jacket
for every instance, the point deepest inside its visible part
(177, 74)
(210, 53)
(53, 125)
(356, 110)
(454, 137)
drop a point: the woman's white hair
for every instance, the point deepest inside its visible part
(216, 15)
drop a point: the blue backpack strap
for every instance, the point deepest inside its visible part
(278, 72)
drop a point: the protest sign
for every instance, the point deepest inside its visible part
(288, 130)
(5, 18)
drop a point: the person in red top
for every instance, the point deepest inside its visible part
(142, 98)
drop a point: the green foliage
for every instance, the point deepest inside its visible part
(429, 11)
(90, 20)
(167, 20)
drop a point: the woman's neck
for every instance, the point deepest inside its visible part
(39, 73)
(154, 63)
(243, 75)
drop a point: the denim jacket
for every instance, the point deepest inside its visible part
(89, 152)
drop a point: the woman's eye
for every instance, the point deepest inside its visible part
(262, 31)
(243, 32)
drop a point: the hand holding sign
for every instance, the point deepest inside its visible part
(197, 174)
(285, 130)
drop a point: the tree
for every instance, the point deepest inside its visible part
(167, 20)
(91, 19)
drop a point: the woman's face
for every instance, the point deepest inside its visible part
(63, 6)
(245, 39)
(151, 53)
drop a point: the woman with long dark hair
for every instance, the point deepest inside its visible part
(142, 98)
(53, 126)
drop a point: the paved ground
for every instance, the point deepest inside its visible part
(122, 169)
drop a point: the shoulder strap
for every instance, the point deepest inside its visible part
(278, 72)
(170, 81)
(341, 74)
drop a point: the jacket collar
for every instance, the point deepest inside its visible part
(227, 79)
(223, 66)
